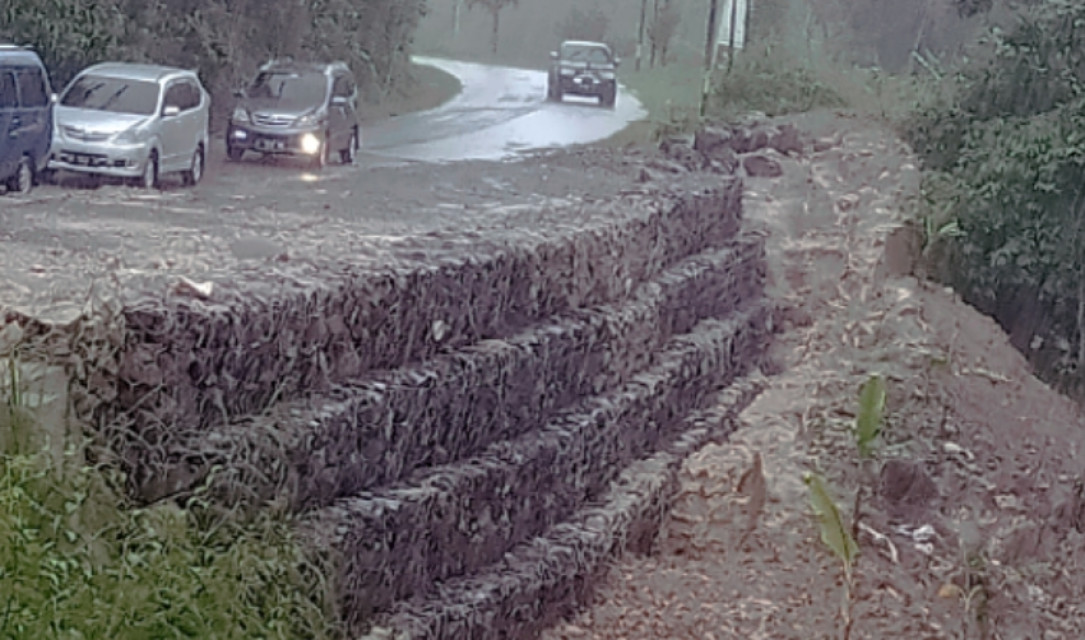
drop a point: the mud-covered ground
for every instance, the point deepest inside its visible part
(969, 515)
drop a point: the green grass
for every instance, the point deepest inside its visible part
(77, 562)
(425, 88)
(768, 81)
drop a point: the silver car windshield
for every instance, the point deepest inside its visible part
(290, 90)
(116, 95)
(581, 53)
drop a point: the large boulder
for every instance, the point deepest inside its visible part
(712, 140)
(751, 139)
(762, 166)
(786, 140)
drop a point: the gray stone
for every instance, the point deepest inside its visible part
(760, 166)
(786, 140)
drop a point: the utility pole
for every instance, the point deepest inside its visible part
(709, 53)
(731, 36)
(640, 32)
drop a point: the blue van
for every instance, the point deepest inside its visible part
(26, 117)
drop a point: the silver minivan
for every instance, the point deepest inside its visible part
(134, 121)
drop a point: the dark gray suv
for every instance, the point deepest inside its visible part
(26, 117)
(584, 69)
(300, 109)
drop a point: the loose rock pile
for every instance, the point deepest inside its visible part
(727, 149)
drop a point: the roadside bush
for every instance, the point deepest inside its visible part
(77, 562)
(1011, 142)
(74, 564)
(772, 83)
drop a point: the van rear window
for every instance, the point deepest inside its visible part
(32, 88)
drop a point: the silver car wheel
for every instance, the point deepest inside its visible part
(23, 180)
(149, 179)
(195, 172)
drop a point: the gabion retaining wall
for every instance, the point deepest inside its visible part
(547, 578)
(483, 415)
(373, 430)
(188, 364)
(526, 485)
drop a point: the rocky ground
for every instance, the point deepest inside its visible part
(969, 514)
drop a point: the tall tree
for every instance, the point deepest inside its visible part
(584, 24)
(662, 29)
(640, 30)
(709, 52)
(494, 7)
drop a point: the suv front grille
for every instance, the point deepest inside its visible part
(271, 120)
(77, 133)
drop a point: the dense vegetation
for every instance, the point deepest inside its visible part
(1004, 149)
(76, 561)
(224, 39)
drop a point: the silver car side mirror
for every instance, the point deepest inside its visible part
(170, 111)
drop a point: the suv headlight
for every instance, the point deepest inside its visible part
(568, 71)
(131, 135)
(240, 116)
(607, 75)
(310, 119)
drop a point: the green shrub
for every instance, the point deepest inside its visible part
(1004, 153)
(772, 84)
(75, 564)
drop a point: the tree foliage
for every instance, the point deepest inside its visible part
(224, 39)
(661, 29)
(1006, 153)
(494, 7)
(584, 24)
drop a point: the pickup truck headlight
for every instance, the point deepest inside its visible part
(567, 71)
(240, 116)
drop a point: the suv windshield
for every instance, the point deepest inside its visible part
(582, 53)
(116, 95)
(290, 89)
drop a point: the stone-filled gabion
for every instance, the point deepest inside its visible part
(459, 517)
(547, 578)
(371, 431)
(190, 364)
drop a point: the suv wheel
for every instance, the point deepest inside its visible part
(149, 179)
(347, 155)
(23, 180)
(609, 96)
(192, 176)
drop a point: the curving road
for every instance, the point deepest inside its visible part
(499, 113)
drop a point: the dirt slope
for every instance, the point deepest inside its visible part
(970, 513)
